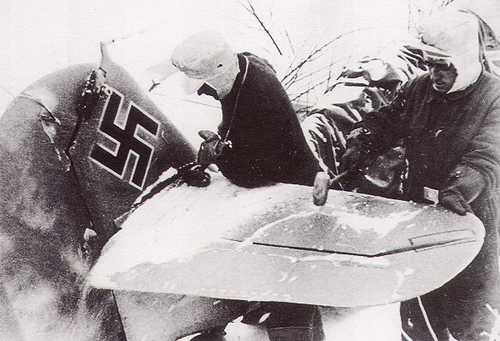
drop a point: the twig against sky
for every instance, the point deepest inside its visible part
(253, 12)
(305, 92)
(292, 48)
(317, 84)
(291, 75)
(319, 70)
(446, 2)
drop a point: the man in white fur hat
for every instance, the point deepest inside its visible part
(259, 141)
(450, 120)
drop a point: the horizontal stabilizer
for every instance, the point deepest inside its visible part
(273, 244)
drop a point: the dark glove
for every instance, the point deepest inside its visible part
(212, 148)
(359, 153)
(454, 201)
(463, 186)
(194, 175)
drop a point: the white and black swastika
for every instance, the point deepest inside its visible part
(128, 145)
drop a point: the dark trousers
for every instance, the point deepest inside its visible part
(287, 321)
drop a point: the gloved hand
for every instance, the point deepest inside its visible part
(194, 175)
(463, 186)
(359, 153)
(212, 148)
(320, 188)
(454, 201)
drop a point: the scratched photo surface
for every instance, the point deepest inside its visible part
(113, 229)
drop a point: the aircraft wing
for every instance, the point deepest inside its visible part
(273, 244)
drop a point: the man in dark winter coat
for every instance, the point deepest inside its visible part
(450, 119)
(261, 134)
(259, 141)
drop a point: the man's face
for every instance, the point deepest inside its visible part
(443, 75)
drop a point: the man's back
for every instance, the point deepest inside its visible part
(268, 143)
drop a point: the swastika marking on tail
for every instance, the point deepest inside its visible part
(128, 144)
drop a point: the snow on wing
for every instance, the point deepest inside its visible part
(273, 244)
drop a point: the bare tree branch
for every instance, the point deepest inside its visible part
(326, 80)
(329, 75)
(316, 51)
(445, 3)
(290, 81)
(296, 77)
(308, 90)
(309, 57)
(253, 12)
(292, 48)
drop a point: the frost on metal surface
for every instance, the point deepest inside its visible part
(273, 244)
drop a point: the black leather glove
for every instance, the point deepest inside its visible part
(359, 153)
(463, 186)
(212, 148)
(194, 175)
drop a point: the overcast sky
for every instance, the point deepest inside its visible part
(40, 36)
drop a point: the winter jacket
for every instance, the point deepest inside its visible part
(268, 144)
(443, 133)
